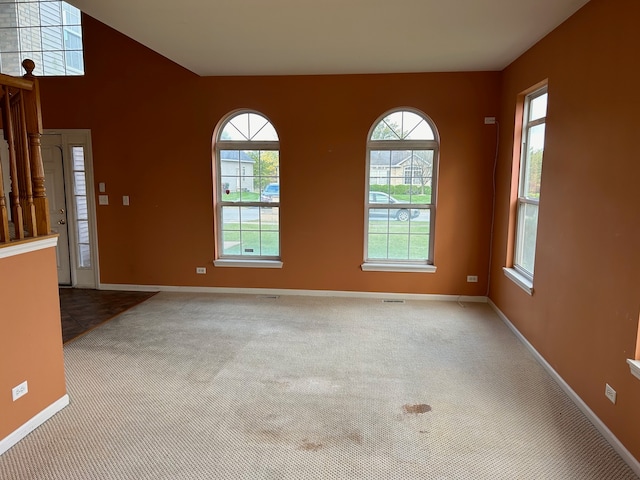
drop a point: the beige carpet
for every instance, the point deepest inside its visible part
(199, 386)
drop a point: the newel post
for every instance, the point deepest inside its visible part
(34, 130)
(4, 215)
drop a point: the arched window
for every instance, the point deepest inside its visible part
(247, 170)
(402, 165)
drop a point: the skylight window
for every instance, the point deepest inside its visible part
(47, 32)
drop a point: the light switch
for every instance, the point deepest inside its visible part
(102, 187)
(125, 200)
(103, 199)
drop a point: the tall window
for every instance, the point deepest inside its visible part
(248, 191)
(402, 153)
(48, 32)
(81, 204)
(531, 154)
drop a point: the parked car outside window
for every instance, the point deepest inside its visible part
(402, 214)
(270, 193)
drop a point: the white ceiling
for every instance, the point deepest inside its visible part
(300, 37)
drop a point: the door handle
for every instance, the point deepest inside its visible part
(61, 222)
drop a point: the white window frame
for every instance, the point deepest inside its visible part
(397, 265)
(523, 199)
(252, 261)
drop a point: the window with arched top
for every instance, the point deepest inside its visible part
(247, 174)
(402, 166)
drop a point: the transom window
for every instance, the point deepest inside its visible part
(402, 153)
(47, 32)
(532, 150)
(248, 188)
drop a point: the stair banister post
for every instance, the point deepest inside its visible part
(34, 130)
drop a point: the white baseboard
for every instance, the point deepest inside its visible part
(584, 408)
(287, 291)
(21, 432)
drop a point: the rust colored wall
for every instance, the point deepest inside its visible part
(30, 337)
(583, 315)
(152, 124)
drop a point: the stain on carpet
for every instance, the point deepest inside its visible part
(416, 409)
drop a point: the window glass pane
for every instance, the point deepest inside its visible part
(422, 131)
(377, 246)
(526, 236)
(269, 218)
(75, 61)
(249, 127)
(9, 14)
(533, 162)
(389, 128)
(77, 153)
(538, 107)
(230, 218)
(9, 62)
(53, 63)
(402, 125)
(418, 247)
(79, 183)
(72, 38)
(398, 247)
(51, 13)
(250, 218)
(250, 243)
(83, 231)
(30, 39)
(269, 243)
(268, 165)
(82, 212)
(84, 259)
(380, 170)
(52, 38)
(28, 14)
(70, 14)
(231, 242)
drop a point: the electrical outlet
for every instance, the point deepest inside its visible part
(20, 390)
(472, 278)
(201, 270)
(489, 120)
(610, 393)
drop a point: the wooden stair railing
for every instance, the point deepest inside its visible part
(22, 126)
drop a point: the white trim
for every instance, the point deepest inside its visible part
(516, 277)
(28, 246)
(292, 292)
(68, 138)
(593, 418)
(634, 365)
(21, 432)
(397, 267)
(247, 263)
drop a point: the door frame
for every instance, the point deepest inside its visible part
(80, 277)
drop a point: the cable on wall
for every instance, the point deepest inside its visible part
(493, 207)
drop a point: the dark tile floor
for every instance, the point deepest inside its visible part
(82, 310)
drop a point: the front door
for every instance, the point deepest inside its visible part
(54, 181)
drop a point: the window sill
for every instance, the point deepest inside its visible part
(634, 365)
(397, 267)
(247, 263)
(516, 277)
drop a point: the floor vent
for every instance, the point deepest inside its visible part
(392, 301)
